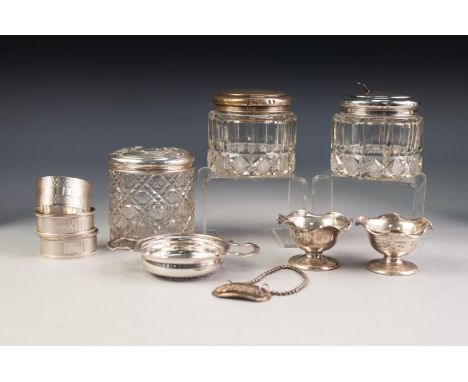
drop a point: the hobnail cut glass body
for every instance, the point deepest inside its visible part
(148, 204)
(383, 148)
(251, 145)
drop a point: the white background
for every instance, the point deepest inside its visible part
(109, 299)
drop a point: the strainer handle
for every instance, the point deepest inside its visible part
(254, 249)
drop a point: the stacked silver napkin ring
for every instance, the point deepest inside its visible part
(65, 218)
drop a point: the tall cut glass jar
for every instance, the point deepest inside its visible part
(377, 136)
(251, 133)
(151, 192)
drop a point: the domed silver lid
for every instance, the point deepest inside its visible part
(253, 101)
(139, 158)
(379, 103)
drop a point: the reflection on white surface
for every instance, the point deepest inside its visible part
(110, 299)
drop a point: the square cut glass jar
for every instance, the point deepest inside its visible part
(377, 137)
(151, 192)
(252, 141)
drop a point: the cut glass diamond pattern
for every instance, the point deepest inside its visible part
(239, 164)
(368, 166)
(251, 145)
(373, 148)
(263, 164)
(144, 205)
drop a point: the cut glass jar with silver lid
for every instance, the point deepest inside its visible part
(377, 136)
(151, 192)
(251, 133)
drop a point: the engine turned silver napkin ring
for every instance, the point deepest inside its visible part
(251, 133)
(251, 292)
(188, 256)
(393, 236)
(65, 223)
(377, 136)
(69, 246)
(62, 194)
(151, 192)
(314, 234)
(65, 218)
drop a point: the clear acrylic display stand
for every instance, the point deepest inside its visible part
(354, 197)
(247, 206)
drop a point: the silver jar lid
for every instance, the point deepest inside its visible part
(139, 158)
(377, 103)
(252, 101)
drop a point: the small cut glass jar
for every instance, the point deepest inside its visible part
(151, 192)
(251, 133)
(377, 136)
